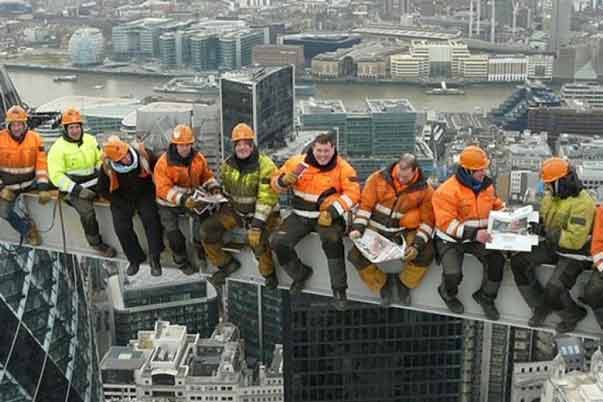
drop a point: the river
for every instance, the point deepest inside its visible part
(37, 87)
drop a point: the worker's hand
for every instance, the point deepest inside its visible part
(87, 194)
(325, 218)
(355, 234)
(44, 197)
(107, 166)
(410, 253)
(289, 179)
(254, 236)
(191, 203)
(599, 267)
(483, 236)
(7, 194)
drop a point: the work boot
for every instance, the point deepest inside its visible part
(298, 284)
(386, 293)
(155, 265)
(187, 268)
(340, 301)
(540, 314)
(219, 277)
(271, 281)
(105, 250)
(452, 302)
(33, 236)
(133, 268)
(571, 315)
(180, 259)
(403, 294)
(487, 304)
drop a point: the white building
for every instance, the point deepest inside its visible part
(589, 93)
(528, 380)
(475, 67)
(507, 68)
(443, 58)
(86, 47)
(521, 183)
(167, 362)
(540, 67)
(529, 153)
(254, 3)
(406, 66)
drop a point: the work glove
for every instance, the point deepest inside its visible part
(43, 197)
(552, 238)
(327, 216)
(87, 194)
(254, 237)
(288, 179)
(410, 253)
(191, 203)
(355, 234)
(536, 228)
(7, 194)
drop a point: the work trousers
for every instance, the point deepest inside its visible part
(16, 216)
(85, 209)
(169, 217)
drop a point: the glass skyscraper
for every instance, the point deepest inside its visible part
(47, 344)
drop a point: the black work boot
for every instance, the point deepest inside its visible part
(271, 281)
(155, 265)
(187, 268)
(452, 302)
(487, 304)
(105, 250)
(218, 279)
(571, 314)
(300, 281)
(540, 314)
(403, 294)
(340, 299)
(133, 268)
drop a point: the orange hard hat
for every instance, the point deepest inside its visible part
(71, 115)
(115, 149)
(242, 132)
(182, 135)
(553, 169)
(16, 113)
(474, 158)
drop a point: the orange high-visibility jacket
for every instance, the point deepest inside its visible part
(318, 189)
(174, 180)
(145, 168)
(596, 247)
(459, 211)
(390, 207)
(22, 163)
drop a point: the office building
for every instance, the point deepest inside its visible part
(317, 43)
(556, 120)
(167, 50)
(140, 300)
(137, 38)
(589, 93)
(261, 97)
(507, 68)
(370, 353)
(47, 342)
(259, 313)
(475, 67)
(540, 67)
(275, 55)
(170, 363)
(559, 32)
(205, 52)
(235, 48)
(86, 47)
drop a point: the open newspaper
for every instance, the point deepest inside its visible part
(210, 201)
(377, 248)
(510, 229)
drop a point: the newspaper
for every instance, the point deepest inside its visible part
(510, 229)
(211, 202)
(377, 248)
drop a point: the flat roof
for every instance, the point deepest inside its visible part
(405, 33)
(322, 106)
(122, 358)
(85, 103)
(401, 105)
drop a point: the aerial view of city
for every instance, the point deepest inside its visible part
(301, 200)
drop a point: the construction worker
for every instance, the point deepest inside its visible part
(126, 180)
(566, 219)
(245, 178)
(462, 205)
(22, 168)
(73, 163)
(593, 290)
(325, 187)
(178, 173)
(395, 202)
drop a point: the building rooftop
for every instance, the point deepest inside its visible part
(389, 106)
(322, 106)
(109, 106)
(405, 33)
(323, 36)
(250, 75)
(123, 358)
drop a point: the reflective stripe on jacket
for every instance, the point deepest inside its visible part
(319, 189)
(390, 207)
(249, 190)
(22, 163)
(459, 211)
(71, 163)
(175, 180)
(596, 248)
(573, 217)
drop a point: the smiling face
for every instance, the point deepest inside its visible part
(243, 148)
(18, 128)
(479, 175)
(184, 150)
(323, 153)
(405, 172)
(74, 131)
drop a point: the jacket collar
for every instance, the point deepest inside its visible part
(174, 158)
(250, 164)
(487, 182)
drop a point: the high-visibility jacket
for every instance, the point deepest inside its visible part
(74, 163)
(144, 171)
(22, 163)
(390, 207)
(596, 248)
(248, 188)
(460, 212)
(175, 179)
(319, 188)
(573, 217)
